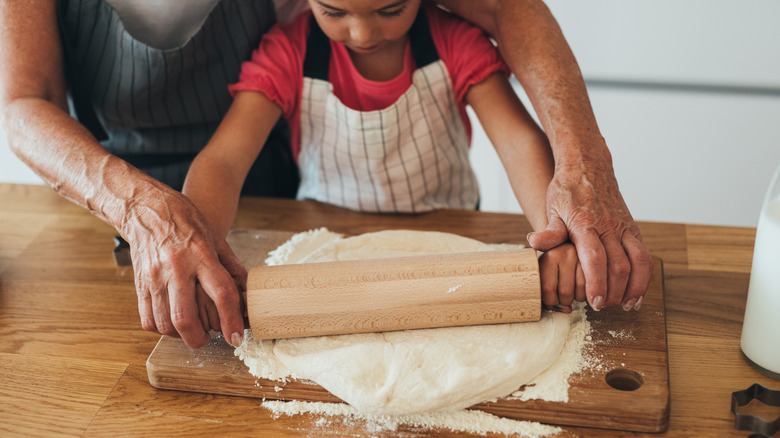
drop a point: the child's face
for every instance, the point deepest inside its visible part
(365, 26)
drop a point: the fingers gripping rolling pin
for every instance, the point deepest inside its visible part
(315, 299)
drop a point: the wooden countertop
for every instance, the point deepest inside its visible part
(73, 354)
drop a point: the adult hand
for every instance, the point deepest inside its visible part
(186, 277)
(585, 206)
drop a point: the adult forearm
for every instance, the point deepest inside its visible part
(65, 155)
(34, 116)
(537, 52)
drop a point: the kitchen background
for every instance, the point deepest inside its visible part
(687, 95)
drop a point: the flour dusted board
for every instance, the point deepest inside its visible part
(629, 349)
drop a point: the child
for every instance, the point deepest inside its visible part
(375, 94)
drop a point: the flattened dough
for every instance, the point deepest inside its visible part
(421, 370)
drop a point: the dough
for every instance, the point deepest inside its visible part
(418, 371)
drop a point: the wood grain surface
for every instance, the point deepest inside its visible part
(62, 301)
(626, 388)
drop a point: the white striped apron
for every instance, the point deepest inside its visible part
(410, 157)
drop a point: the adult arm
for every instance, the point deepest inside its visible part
(172, 245)
(584, 204)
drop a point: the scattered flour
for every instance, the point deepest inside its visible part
(321, 422)
(620, 334)
(476, 422)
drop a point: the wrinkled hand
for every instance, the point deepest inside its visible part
(186, 277)
(586, 207)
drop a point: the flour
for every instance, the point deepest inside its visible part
(553, 383)
(300, 246)
(621, 334)
(259, 357)
(476, 422)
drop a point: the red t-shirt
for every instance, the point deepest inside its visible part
(276, 67)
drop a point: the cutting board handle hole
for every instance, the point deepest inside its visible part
(624, 379)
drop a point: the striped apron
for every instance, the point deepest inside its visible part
(407, 158)
(158, 108)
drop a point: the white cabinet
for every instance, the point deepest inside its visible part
(712, 42)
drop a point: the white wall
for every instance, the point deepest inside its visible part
(687, 95)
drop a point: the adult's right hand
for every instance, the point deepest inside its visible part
(175, 252)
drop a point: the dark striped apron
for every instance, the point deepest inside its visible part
(158, 108)
(410, 157)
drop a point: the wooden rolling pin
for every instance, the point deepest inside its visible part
(315, 299)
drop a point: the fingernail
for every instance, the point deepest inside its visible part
(628, 305)
(236, 338)
(639, 303)
(597, 302)
(528, 236)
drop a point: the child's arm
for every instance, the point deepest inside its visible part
(526, 155)
(520, 143)
(217, 174)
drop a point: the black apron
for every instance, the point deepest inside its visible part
(158, 108)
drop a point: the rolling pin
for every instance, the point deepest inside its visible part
(330, 298)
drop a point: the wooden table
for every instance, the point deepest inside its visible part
(72, 351)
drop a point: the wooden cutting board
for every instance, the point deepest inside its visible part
(626, 389)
